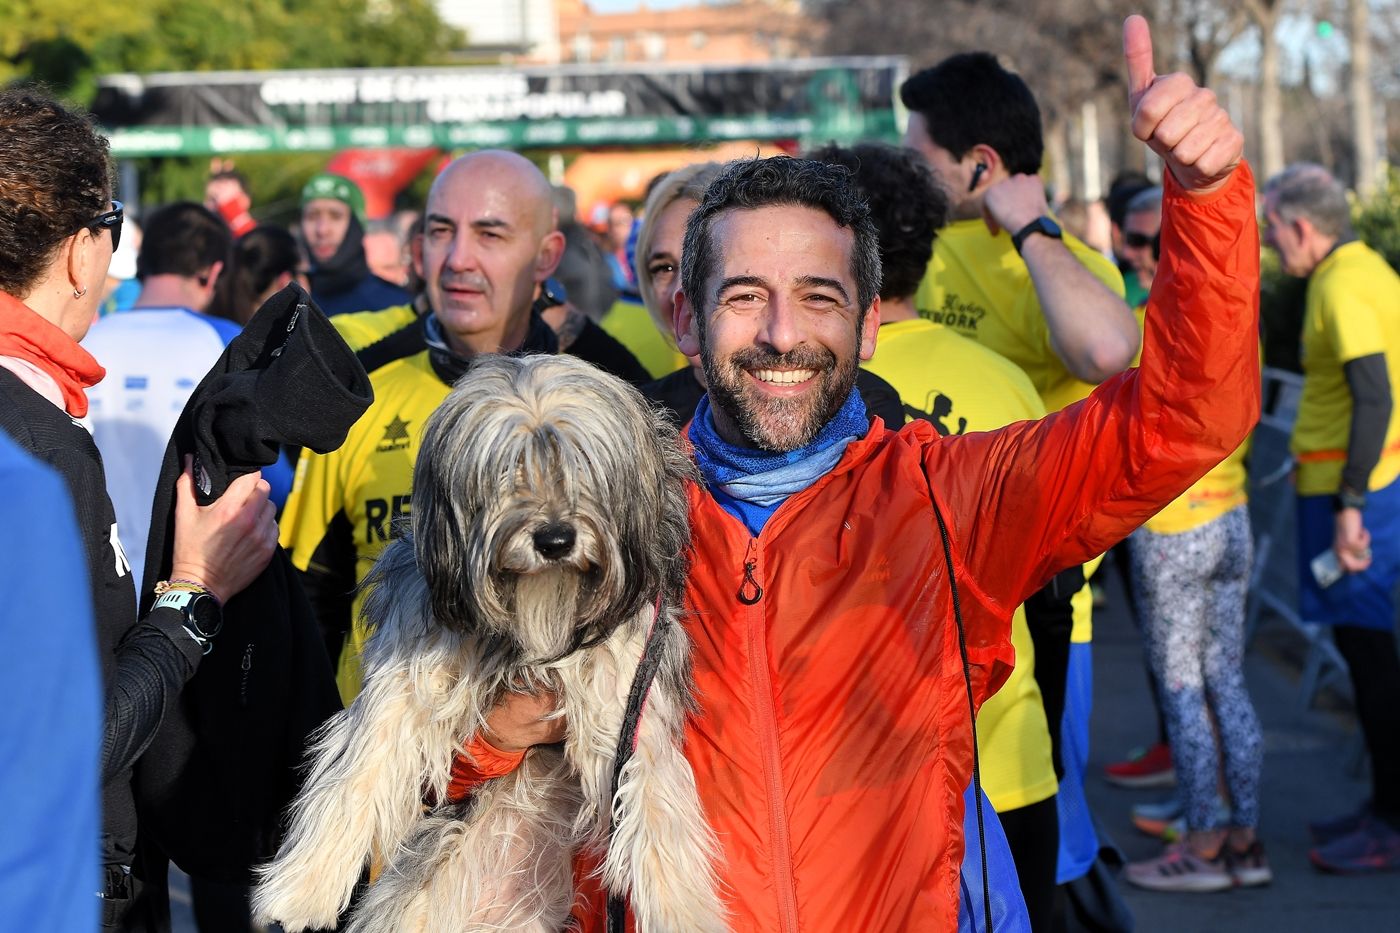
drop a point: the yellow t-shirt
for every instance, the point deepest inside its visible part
(1214, 494)
(978, 284)
(631, 325)
(1353, 310)
(362, 328)
(1219, 491)
(961, 386)
(344, 504)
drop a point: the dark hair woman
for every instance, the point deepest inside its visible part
(58, 227)
(264, 261)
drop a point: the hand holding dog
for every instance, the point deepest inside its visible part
(1179, 121)
(523, 720)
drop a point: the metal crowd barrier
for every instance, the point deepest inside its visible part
(1273, 585)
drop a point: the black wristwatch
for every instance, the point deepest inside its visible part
(1348, 499)
(552, 295)
(1040, 225)
(201, 614)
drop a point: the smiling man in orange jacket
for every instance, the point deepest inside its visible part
(833, 742)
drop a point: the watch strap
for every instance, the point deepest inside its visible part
(183, 600)
(1348, 499)
(1042, 224)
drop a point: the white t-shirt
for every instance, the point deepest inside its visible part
(154, 357)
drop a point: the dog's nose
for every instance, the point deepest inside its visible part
(554, 540)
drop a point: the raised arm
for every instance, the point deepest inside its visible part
(1092, 330)
(1034, 498)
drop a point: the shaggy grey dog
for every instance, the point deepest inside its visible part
(549, 536)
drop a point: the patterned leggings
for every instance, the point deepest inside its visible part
(1191, 588)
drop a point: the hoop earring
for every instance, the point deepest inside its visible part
(78, 293)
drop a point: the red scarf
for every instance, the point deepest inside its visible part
(26, 335)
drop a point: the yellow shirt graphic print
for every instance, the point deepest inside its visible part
(961, 387)
(978, 285)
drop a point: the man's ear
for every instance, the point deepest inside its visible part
(870, 330)
(211, 275)
(983, 154)
(686, 327)
(415, 254)
(550, 253)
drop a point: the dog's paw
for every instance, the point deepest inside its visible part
(295, 908)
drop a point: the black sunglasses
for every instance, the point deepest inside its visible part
(1139, 240)
(112, 220)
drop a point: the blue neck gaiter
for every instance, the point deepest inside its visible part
(749, 483)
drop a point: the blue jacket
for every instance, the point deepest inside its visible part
(50, 708)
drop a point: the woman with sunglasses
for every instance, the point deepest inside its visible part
(58, 228)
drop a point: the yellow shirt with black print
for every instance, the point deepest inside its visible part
(961, 386)
(980, 286)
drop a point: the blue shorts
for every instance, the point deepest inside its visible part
(1008, 906)
(1079, 843)
(1364, 599)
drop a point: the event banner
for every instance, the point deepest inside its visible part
(549, 107)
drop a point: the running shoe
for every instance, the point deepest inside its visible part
(1180, 869)
(1325, 831)
(1374, 847)
(1157, 817)
(1249, 868)
(1151, 767)
(1166, 820)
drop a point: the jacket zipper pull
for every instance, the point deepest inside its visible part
(749, 590)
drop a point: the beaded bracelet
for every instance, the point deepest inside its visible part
(178, 585)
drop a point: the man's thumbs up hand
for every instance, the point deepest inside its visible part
(1178, 120)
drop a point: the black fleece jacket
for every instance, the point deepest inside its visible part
(212, 786)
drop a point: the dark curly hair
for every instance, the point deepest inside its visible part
(780, 180)
(906, 204)
(55, 177)
(969, 99)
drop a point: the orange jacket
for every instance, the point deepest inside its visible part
(833, 744)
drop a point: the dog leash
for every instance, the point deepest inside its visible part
(627, 741)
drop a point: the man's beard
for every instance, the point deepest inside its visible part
(781, 424)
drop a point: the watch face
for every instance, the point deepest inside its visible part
(205, 615)
(1043, 225)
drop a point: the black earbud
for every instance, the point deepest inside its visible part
(976, 176)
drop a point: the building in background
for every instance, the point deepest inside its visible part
(506, 30)
(736, 31)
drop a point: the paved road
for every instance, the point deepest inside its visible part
(1311, 770)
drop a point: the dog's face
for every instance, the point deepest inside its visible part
(548, 504)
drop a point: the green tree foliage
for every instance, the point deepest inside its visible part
(1378, 220)
(67, 44)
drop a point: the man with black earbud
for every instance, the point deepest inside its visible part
(1004, 274)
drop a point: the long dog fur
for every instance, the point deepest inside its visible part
(467, 609)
